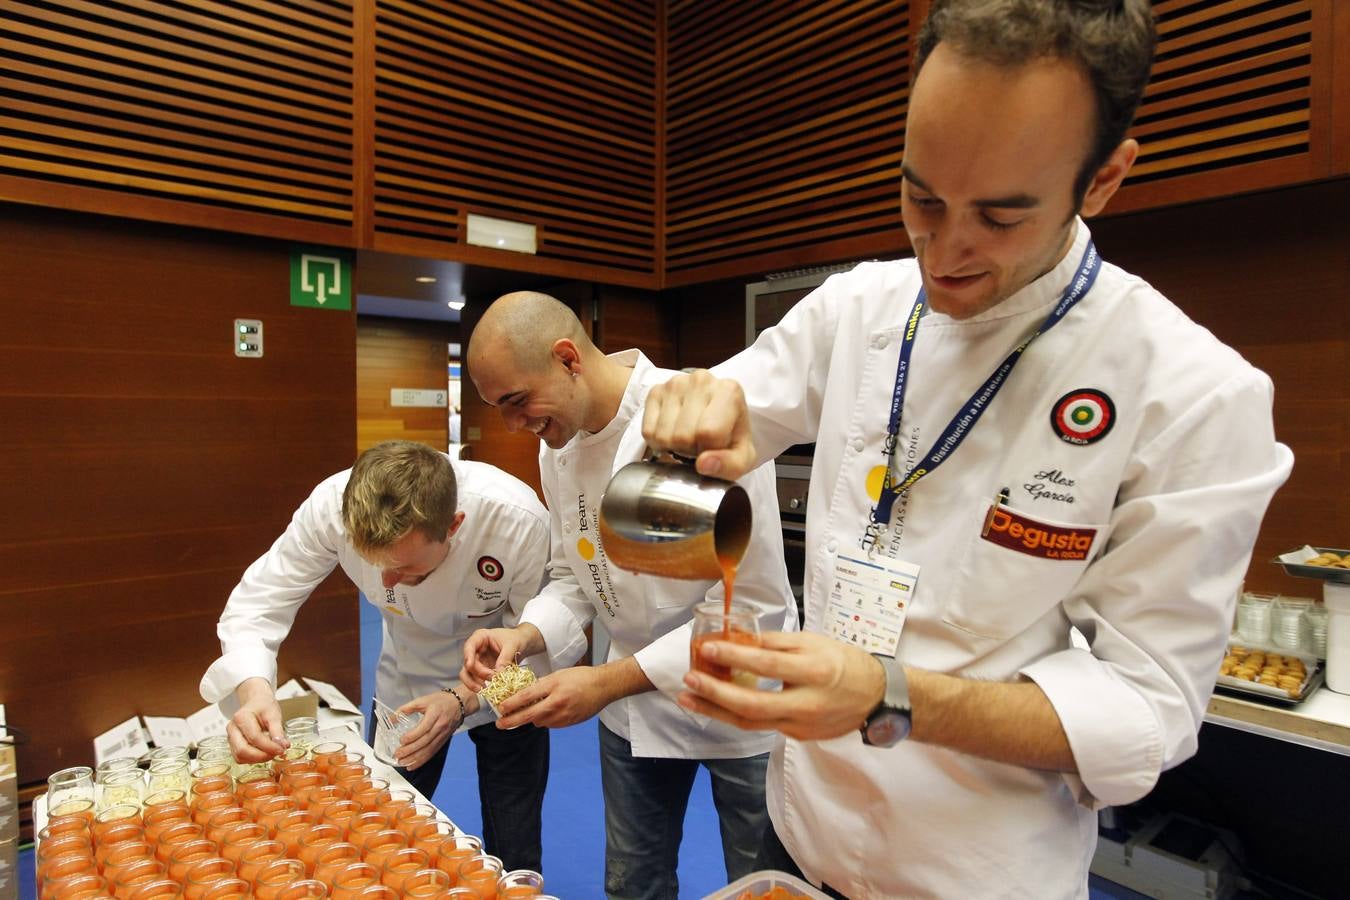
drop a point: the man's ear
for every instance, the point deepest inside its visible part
(566, 352)
(454, 524)
(1107, 179)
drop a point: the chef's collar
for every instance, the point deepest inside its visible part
(628, 406)
(1039, 294)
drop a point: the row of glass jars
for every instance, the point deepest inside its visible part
(311, 824)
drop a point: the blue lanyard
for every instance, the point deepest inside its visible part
(972, 409)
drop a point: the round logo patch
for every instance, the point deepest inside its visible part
(489, 568)
(1083, 416)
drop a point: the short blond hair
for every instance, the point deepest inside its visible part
(395, 488)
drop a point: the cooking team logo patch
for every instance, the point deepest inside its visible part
(1083, 416)
(489, 568)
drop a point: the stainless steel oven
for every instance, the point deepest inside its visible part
(766, 302)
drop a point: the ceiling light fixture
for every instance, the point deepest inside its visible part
(425, 279)
(456, 304)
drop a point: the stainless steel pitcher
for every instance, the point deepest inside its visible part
(663, 518)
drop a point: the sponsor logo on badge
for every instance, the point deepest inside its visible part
(489, 568)
(1083, 416)
(1023, 534)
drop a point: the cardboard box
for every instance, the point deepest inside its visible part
(322, 701)
(9, 787)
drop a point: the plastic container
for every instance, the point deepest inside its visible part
(1337, 598)
(762, 882)
(1253, 618)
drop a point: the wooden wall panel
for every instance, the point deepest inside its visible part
(537, 112)
(400, 353)
(145, 466)
(1276, 295)
(1240, 99)
(784, 133)
(237, 115)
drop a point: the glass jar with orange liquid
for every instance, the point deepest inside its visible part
(453, 851)
(426, 883)
(714, 621)
(519, 884)
(275, 876)
(158, 889)
(333, 858)
(480, 874)
(257, 856)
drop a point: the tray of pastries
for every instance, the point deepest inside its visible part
(1325, 563)
(1282, 678)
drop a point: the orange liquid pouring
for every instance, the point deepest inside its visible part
(729, 567)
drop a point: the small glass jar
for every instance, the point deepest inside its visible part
(164, 799)
(253, 793)
(276, 875)
(170, 774)
(519, 884)
(257, 856)
(121, 787)
(210, 784)
(454, 850)
(63, 827)
(213, 742)
(313, 842)
(293, 826)
(157, 818)
(213, 755)
(187, 855)
(363, 824)
(55, 868)
(175, 834)
(303, 786)
(108, 767)
(426, 883)
(322, 796)
(480, 873)
(224, 820)
(115, 816)
(324, 754)
(236, 840)
(429, 835)
(341, 813)
(176, 752)
(233, 888)
(159, 889)
(76, 886)
(302, 731)
(333, 858)
(401, 863)
(73, 785)
(371, 793)
(378, 846)
(122, 848)
(396, 801)
(204, 806)
(134, 874)
(350, 880)
(712, 622)
(304, 889)
(204, 873)
(281, 762)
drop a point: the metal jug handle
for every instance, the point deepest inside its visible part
(668, 457)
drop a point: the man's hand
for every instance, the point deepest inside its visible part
(256, 731)
(488, 649)
(440, 717)
(700, 414)
(829, 688)
(562, 698)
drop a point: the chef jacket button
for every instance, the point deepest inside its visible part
(567, 528)
(881, 342)
(563, 462)
(857, 445)
(832, 546)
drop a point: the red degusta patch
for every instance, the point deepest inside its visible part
(489, 568)
(1025, 535)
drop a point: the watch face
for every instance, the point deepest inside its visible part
(887, 728)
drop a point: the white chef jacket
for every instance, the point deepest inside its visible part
(495, 564)
(1175, 491)
(646, 617)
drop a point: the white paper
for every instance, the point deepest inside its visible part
(124, 739)
(290, 689)
(332, 696)
(1300, 556)
(206, 721)
(167, 731)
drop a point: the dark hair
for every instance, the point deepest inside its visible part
(1112, 39)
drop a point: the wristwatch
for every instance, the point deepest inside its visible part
(889, 723)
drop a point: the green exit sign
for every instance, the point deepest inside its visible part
(321, 278)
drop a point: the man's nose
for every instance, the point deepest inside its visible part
(389, 577)
(946, 249)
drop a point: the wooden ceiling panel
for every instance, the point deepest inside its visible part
(243, 108)
(488, 107)
(784, 132)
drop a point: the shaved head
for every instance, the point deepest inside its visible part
(526, 324)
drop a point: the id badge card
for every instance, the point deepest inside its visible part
(869, 599)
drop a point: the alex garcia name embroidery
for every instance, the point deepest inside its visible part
(1041, 490)
(1014, 531)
